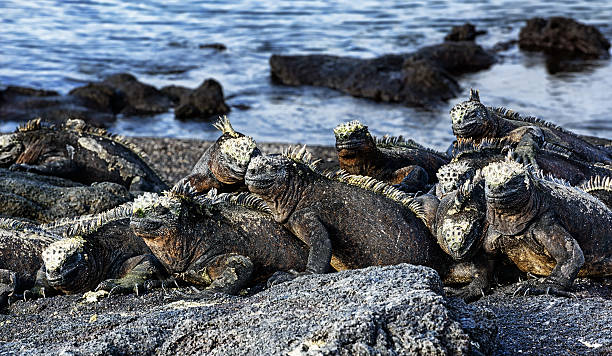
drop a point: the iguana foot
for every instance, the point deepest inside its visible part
(526, 155)
(281, 277)
(121, 286)
(540, 287)
(467, 293)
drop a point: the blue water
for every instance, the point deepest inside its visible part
(62, 44)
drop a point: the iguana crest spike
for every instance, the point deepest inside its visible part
(474, 95)
(31, 125)
(224, 125)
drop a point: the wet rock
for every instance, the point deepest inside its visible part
(422, 78)
(142, 99)
(563, 36)
(465, 32)
(22, 104)
(203, 102)
(457, 57)
(379, 310)
(101, 97)
(174, 92)
(44, 198)
(218, 46)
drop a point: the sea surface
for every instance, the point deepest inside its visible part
(62, 44)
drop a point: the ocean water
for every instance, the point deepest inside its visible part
(61, 44)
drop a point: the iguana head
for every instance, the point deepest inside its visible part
(461, 220)
(507, 185)
(354, 145)
(231, 153)
(451, 176)
(470, 118)
(11, 147)
(275, 178)
(166, 224)
(68, 265)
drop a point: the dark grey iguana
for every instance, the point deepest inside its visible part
(21, 244)
(363, 224)
(223, 165)
(78, 152)
(46, 198)
(99, 252)
(390, 159)
(471, 119)
(546, 227)
(222, 242)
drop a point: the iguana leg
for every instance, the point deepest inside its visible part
(59, 168)
(479, 271)
(137, 271)
(411, 179)
(528, 145)
(227, 273)
(308, 228)
(564, 249)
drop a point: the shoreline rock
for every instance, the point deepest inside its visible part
(423, 78)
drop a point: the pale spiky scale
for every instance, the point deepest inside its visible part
(344, 130)
(498, 173)
(55, 254)
(239, 149)
(302, 156)
(148, 201)
(597, 183)
(378, 187)
(224, 125)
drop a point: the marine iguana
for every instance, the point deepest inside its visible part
(220, 241)
(362, 221)
(46, 198)
(99, 252)
(600, 187)
(78, 152)
(223, 165)
(471, 119)
(546, 227)
(21, 244)
(393, 160)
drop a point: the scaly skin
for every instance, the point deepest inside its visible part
(391, 160)
(101, 252)
(77, 152)
(223, 165)
(213, 240)
(473, 120)
(546, 228)
(550, 159)
(21, 244)
(360, 227)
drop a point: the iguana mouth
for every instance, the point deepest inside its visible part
(145, 226)
(349, 145)
(66, 274)
(259, 182)
(465, 129)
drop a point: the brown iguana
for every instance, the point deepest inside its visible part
(223, 165)
(471, 119)
(362, 221)
(99, 252)
(220, 241)
(78, 152)
(393, 160)
(546, 227)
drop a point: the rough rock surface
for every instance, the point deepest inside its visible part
(548, 325)
(204, 102)
(422, 78)
(45, 198)
(388, 310)
(563, 36)
(465, 32)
